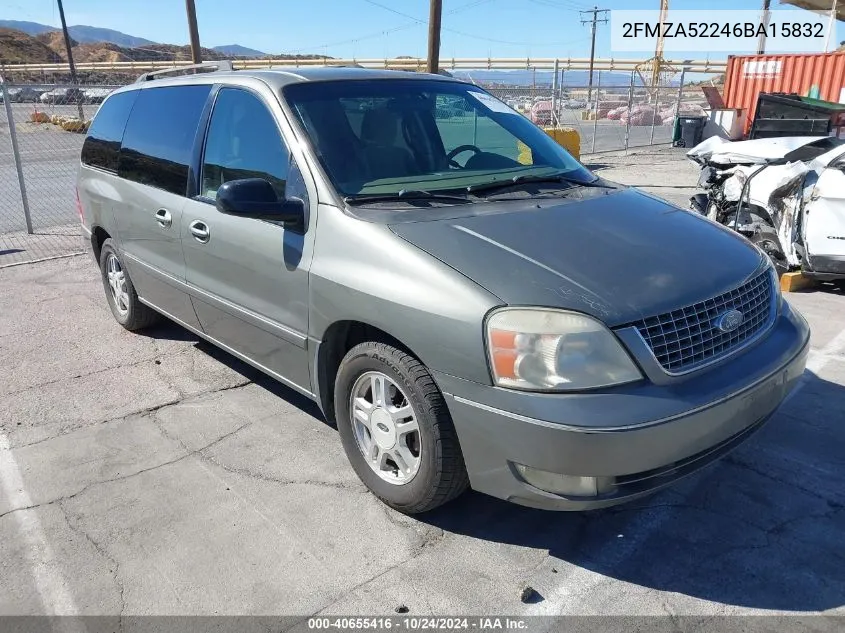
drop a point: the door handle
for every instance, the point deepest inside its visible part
(200, 231)
(164, 219)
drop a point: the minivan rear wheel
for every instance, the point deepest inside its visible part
(120, 293)
(396, 429)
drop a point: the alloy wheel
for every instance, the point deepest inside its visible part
(385, 427)
(117, 283)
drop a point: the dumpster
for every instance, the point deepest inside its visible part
(691, 128)
(781, 114)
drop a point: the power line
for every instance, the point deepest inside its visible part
(450, 30)
(561, 4)
(392, 10)
(593, 21)
(385, 32)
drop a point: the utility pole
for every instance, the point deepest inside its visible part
(196, 51)
(764, 22)
(70, 63)
(592, 22)
(435, 10)
(831, 26)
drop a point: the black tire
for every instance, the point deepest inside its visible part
(768, 242)
(137, 316)
(442, 474)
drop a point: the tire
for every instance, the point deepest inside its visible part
(441, 474)
(768, 242)
(136, 315)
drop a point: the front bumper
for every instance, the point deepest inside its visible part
(827, 268)
(644, 435)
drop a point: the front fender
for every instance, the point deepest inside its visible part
(362, 272)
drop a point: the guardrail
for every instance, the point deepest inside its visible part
(416, 64)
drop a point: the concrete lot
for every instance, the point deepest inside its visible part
(153, 474)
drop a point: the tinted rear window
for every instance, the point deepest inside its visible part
(160, 135)
(102, 145)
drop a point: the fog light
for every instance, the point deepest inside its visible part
(568, 485)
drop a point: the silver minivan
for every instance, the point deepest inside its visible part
(466, 301)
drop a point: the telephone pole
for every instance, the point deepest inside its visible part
(764, 22)
(70, 63)
(831, 27)
(592, 22)
(196, 51)
(435, 10)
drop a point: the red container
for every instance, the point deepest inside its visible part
(749, 75)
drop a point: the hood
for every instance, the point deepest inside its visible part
(618, 257)
(757, 151)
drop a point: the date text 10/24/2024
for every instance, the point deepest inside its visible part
(431, 623)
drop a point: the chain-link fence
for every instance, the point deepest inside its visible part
(612, 117)
(42, 127)
(38, 214)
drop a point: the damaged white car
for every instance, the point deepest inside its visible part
(787, 195)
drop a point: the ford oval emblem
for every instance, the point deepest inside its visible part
(730, 320)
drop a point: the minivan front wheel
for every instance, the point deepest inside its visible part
(396, 429)
(120, 293)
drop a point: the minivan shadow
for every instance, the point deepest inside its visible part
(168, 330)
(762, 528)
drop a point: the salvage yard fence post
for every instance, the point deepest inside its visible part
(654, 115)
(13, 139)
(556, 102)
(630, 105)
(596, 112)
(680, 94)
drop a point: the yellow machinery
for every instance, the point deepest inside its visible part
(567, 137)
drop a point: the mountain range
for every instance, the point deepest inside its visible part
(93, 44)
(91, 34)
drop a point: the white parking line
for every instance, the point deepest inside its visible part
(47, 575)
(576, 580)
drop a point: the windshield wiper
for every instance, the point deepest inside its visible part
(404, 195)
(531, 178)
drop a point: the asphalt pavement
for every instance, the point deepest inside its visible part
(154, 474)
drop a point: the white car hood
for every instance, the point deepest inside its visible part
(718, 150)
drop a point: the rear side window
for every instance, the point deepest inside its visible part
(102, 145)
(160, 135)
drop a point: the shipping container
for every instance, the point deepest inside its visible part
(819, 75)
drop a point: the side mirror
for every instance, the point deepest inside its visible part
(256, 198)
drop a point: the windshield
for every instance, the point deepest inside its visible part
(380, 137)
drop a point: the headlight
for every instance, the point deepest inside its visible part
(553, 350)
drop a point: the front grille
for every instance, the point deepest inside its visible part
(685, 339)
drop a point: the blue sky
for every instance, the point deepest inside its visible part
(362, 28)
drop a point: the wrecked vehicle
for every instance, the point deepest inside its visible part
(786, 195)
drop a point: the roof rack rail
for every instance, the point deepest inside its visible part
(205, 67)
